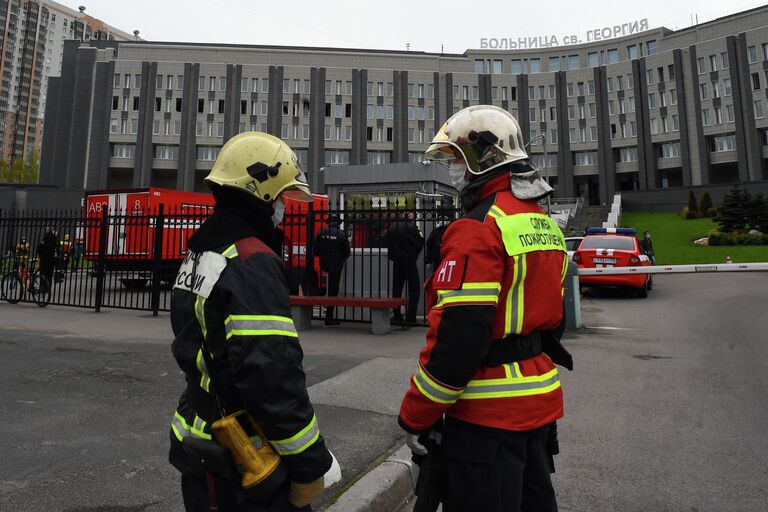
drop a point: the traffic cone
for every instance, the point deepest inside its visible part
(728, 258)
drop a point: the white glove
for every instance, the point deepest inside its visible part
(334, 474)
(412, 440)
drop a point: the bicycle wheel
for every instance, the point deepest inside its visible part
(40, 289)
(12, 287)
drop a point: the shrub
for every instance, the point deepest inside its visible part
(715, 238)
(710, 212)
(693, 206)
(688, 214)
(752, 240)
(706, 204)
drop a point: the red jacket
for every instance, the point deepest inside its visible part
(502, 271)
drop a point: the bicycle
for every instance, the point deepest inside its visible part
(20, 281)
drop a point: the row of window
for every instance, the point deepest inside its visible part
(565, 63)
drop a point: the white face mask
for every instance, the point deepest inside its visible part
(456, 173)
(279, 207)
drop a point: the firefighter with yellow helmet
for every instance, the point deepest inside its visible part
(244, 435)
(488, 365)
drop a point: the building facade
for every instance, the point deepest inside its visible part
(31, 49)
(653, 110)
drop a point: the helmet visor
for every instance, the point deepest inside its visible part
(441, 152)
(298, 189)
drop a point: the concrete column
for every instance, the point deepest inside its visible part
(185, 176)
(565, 184)
(142, 163)
(604, 150)
(696, 124)
(316, 152)
(682, 112)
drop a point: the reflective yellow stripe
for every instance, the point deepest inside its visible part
(230, 252)
(515, 306)
(182, 429)
(433, 390)
(205, 378)
(260, 325)
(299, 442)
(510, 387)
(527, 232)
(470, 293)
(565, 269)
(496, 212)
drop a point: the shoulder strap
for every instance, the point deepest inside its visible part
(247, 247)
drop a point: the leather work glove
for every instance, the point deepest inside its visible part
(301, 495)
(412, 440)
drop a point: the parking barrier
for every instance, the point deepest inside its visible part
(676, 269)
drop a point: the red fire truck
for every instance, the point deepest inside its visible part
(131, 216)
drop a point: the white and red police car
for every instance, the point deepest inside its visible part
(609, 248)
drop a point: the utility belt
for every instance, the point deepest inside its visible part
(513, 348)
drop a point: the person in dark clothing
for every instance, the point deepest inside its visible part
(332, 246)
(48, 250)
(404, 242)
(432, 251)
(235, 340)
(646, 245)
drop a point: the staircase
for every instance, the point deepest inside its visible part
(588, 216)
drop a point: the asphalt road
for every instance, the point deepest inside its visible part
(666, 410)
(88, 400)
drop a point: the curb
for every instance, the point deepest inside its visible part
(386, 488)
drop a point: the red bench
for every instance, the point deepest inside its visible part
(301, 309)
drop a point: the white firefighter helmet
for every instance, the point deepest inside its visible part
(486, 136)
(262, 165)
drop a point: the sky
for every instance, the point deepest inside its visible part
(451, 26)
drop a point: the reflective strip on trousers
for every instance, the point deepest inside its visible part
(511, 387)
(182, 429)
(513, 323)
(299, 442)
(205, 378)
(259, 325)
(432, 390)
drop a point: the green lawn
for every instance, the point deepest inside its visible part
(673, 240)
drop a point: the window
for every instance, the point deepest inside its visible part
(582, 111)
(535, 65)
(706, 117)
(724, 58)
(620, 82)
(631, 52)
(574, 62)
(572, 135)
(532, 116)
(531, 93)
(554, 64)
(137, 81)
(628, 154)
(755, 81)
(758, 109)
(752, 54)
(585, 158)
(264, 85)
(571, 112)
(701, 65)
(580, 86)
(765, 51)
(264, 108)
(651, 100)
(613, 56)
(664, 125)
(178, 105)
(156, 127)
(651, 76)
(654, 126)
(593, 133)
(553, 136)
(622, 109)
(670, 150)
(609, 84)
(516, 67)
(222, 104)
(718, 115)
(208, 153)
(730, 115)
(475, 92)
(553, 113)
(727, 86)
(633, 129)
(723, 143)
(675, 123)
(593, 59)
(713, 62)
(651, 47)
(592, 110)
(286, 85)
(671, 71)
(552, 92)
(673, 96)
(662, 99)
(166, 152)
(222, 83)
(115, 102)
(134, 126)
(123, 150)
(569, 88)
(611, 109)
(113, 125)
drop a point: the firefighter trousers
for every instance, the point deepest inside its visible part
(496, 470)
(230, 497)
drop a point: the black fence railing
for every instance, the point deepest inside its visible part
(129, 260)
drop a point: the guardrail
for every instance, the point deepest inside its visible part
(676, 269)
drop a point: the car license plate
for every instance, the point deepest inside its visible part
(604, 261)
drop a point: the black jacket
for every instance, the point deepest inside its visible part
(403, 240)
(432, 254)
(231, 291)
(332, 246)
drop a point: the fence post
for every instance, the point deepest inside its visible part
(572, 297)
(100, 266)
(310, 279)
(157, 260)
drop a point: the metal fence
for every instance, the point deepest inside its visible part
(129, 260)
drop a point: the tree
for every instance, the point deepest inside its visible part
(32, 169)
(17, 170)
(755, 211)
(693, 206)
(706, 204)
(732, 215)
(4, 171)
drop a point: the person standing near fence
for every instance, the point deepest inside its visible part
(48, 250)
(236, 342)
(332, 247)
(404, 243)
(495, 329)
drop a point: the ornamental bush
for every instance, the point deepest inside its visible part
(693, 206)
(706, 204)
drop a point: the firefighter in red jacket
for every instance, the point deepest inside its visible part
(494, 326)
